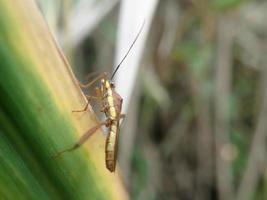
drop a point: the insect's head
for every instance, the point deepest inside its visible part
(112, 84)
(103, 83)
(107, 83)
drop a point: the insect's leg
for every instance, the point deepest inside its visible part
(93, 74)
(104, 109)
(98, 92)
(122, 116)
(82, 139)
(103, 75)
(89, 98)
(99, 96)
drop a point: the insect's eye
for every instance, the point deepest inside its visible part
(112, 84)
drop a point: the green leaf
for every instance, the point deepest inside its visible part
(38, 93)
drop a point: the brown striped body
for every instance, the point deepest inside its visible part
(111, 103)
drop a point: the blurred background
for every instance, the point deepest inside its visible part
(194, 87)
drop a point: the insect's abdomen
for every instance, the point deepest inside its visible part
(112, 138)
(111, 147)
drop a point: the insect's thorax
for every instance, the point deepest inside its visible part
(108, 99)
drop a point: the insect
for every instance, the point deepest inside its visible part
(111, 104)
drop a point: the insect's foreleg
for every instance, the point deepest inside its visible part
(103, 75)
(84, 137)
(89, 98)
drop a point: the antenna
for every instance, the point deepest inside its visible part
(136, 37)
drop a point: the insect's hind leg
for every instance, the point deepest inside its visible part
(83, 138)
